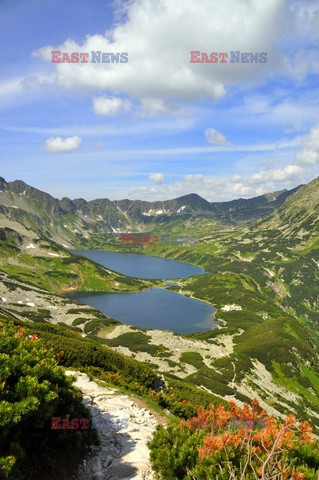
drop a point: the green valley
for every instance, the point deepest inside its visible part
(262, 276)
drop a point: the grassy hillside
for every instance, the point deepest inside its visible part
(269, 269)
(49, 265)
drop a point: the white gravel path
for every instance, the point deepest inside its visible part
(123, 453)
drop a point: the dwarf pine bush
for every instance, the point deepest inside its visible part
(235, 443)
(32, 390)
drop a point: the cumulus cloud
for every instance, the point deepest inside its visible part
(216, 138)
(276, 175)
(211, 188)
(159, 65)
(104, 105)
(156, 177)
(301, 169)
(59, 144)
(155, 107)
(309, 155)
(218, 188)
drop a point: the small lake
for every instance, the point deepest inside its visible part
(153, 308)
(141, 266)
(157, 308)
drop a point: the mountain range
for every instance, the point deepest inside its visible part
(261, 254)
(66, 220)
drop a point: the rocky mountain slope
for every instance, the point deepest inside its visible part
(74, 222)
(269, 348)
(270, 269)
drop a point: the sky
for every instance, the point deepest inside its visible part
(159, 126)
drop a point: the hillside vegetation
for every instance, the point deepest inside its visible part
(34, 389)
(267, 349)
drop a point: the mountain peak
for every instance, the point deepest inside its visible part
(191, 196)
(3, 183)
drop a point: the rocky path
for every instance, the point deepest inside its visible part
(123, 452)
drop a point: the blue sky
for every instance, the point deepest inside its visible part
(158, 126)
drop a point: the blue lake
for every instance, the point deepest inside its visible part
(153, 308)
(141, 266)
(157, 308)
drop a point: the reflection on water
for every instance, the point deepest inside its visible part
(141, 266)
(154, 308)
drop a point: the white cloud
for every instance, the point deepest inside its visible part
(144, 128)
(24, 89)
(156, 177)
(197, 178)
(155, 107)
(309, 155)
(301, 169)
(109, 105)
(10, 87)
(219, 188)
(279, 175)
(211, 188)
(58, 144)
(301, 32)
(159, 65)
(215, 137)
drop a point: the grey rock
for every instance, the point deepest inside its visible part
(98, 476)
(108, 460)
(96, 464)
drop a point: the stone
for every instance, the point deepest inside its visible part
(98, 476)
(108, 460)
(96, 464)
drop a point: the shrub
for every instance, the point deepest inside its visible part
(33, 389)
(207, 447)
(192, 358)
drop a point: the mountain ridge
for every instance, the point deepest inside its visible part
(21, 187)
(70, 221)
(269, 268)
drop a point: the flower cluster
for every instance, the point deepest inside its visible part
(228, 443)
